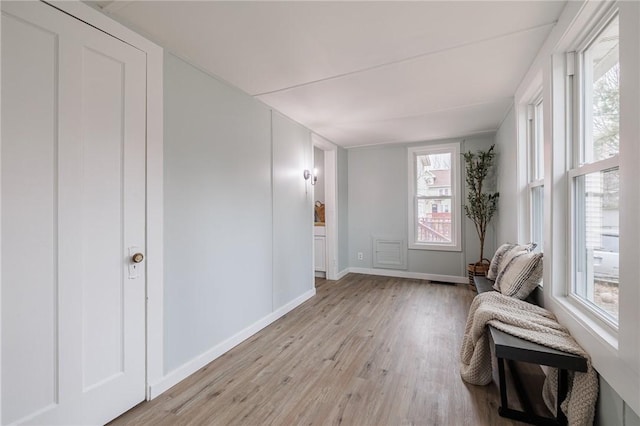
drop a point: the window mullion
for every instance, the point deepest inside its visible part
(606, 164)
(536, 183)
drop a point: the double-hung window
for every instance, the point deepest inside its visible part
(535, 142)
(594, 171)
(434, 197)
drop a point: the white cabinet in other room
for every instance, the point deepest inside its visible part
(319, 253)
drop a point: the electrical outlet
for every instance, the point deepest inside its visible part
(360, 256)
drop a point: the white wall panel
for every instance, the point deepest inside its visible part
(389, 253)
(29, 221)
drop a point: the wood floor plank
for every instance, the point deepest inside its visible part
(365, 350)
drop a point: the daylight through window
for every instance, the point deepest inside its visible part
(595, 177)
(434, 209)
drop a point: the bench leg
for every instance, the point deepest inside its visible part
(562, 394)
(528, 416)
(504, 404)
(523, 396)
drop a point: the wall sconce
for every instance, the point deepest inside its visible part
(307, 175)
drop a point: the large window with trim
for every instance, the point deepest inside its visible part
(594, 171)
(535, 148)
(434, 197)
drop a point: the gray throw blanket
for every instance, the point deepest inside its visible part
(535, 324)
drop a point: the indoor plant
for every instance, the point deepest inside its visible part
(481, 204)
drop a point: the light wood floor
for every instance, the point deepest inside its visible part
(364, 351)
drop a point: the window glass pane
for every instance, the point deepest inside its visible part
(434, 191)
(537, 217)
(596, 235)
(434, 221)
(602, 95)
(433, 172)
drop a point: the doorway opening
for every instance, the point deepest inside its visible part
(325, 247)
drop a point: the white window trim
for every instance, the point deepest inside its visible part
(456, 196)
(616, 358)
(596, 166)
(596, 337)
(536, 183)
(532, 136)
(530, 187)
(533, 181)
(589, 315)
(596, 318)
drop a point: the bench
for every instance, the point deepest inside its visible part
(511, 349)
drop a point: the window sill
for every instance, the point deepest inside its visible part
(621, 372)
(434, 247)
(587, 321)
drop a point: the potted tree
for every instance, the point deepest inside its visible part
(481, 204)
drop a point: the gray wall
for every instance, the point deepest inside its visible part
(506, 145)
(343, 209)
(220, 239)
(318, 164)
(612, 410)
(292, 211)
(378, 191)
(377, 198)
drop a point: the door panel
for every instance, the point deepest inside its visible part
(73, 194)
(102, 203)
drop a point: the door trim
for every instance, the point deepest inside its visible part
(331, 203)
(154, 178)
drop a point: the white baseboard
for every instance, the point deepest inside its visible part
(175, 376)
(413, 275)
(342, 274)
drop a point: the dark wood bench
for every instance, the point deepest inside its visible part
(511, 349)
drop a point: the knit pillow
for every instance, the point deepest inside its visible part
(505, 261)
(521, 275)
(492, 273)
(500, 259)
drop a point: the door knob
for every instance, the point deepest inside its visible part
(137, 258)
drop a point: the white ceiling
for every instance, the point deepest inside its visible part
(360, 73)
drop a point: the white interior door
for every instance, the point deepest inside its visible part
(73, 214)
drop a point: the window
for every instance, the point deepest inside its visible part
(593, 225)
(535, 142)
(434, 197)
(594, 173)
